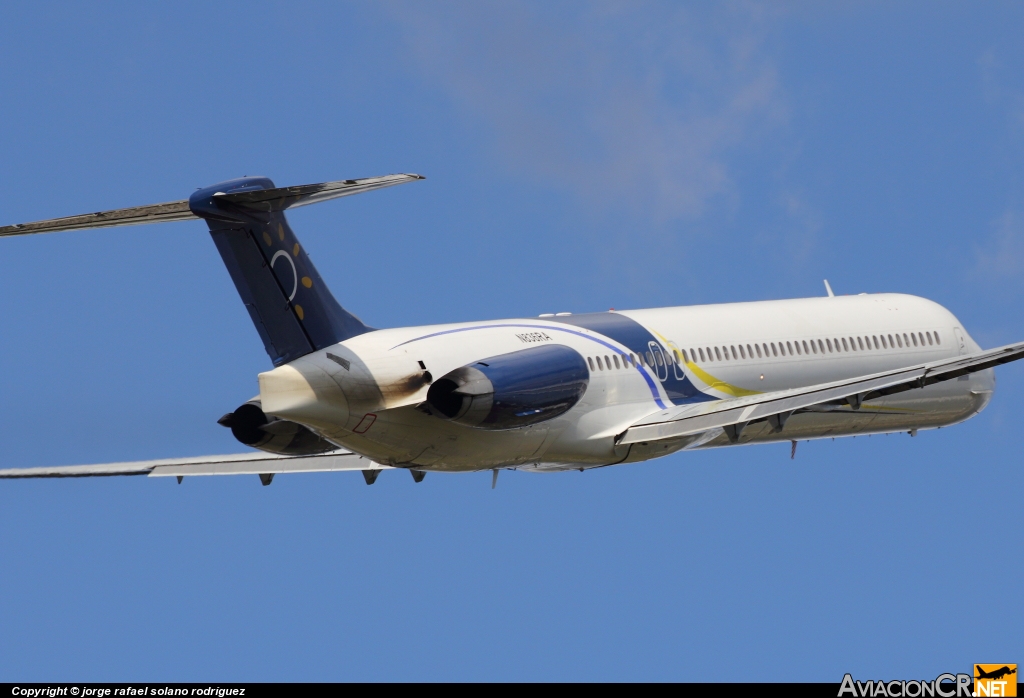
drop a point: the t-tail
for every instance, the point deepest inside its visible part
(293, 310)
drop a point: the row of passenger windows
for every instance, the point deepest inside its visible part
(798, 347)
(801, 347)
(608, 363)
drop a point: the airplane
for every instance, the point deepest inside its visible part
(556, 392)
(995, 674)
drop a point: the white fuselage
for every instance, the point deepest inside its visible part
(366, 393)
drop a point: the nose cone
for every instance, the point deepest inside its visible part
(302, 392)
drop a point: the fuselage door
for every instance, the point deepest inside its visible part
(660, 362)
(961, 342)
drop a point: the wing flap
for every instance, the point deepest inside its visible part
(694, 419)
(234, 464)
(327, 462)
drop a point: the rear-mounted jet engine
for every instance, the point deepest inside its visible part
(250, 425)
(512, 390)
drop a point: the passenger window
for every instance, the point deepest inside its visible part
(914, 338)
(906, 342)
(789, 346)
(591, 362)
(899, 341)
(938, 340)
(847, 348)
(821, 346)
(750, 352)
(929, 336)
(766, 354)
(615, 358)
(650, 359)
(701, 352)
(892, 344)
(756, 346)
(860, 343)
(876, 341)
(718, 354)
(775, 351)
(600, 366)
(829, 343)
(743, 354)
(813, 348)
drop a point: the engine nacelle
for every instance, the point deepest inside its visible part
(250, 425)
(512, 390)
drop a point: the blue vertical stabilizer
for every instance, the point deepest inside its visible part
(292, 308)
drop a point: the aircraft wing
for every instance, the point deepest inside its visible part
(235, 464)
(734, 414)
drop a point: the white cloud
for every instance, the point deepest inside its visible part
(624, 105)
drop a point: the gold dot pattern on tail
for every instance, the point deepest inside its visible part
(298, 311)
(307, 282)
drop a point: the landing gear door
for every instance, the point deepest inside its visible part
(961, 341)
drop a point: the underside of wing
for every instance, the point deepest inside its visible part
(235, 464)
(734, 414)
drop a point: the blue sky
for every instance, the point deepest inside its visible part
(578, 157)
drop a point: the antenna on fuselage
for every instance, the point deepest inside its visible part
(829, 289)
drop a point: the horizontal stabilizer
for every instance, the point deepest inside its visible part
(154, 213)
(696, 419)
(236, 464)
(304, 194)
(257, 200)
